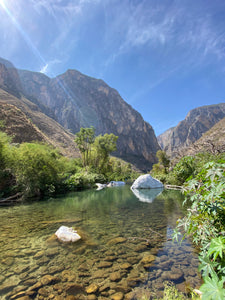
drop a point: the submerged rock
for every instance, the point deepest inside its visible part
(115, 183)
(146, 182)
(67, 234)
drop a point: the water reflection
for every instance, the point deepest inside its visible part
(147, 195)
(125, 243)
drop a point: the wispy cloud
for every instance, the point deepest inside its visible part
(47, 68)
(174, 28)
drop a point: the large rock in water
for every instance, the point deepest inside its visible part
(146, 182)
(67, 234)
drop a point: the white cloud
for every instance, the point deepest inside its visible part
(44, 69)
(47, 68)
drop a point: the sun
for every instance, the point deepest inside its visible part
(2, 3)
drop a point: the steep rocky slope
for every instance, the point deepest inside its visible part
(24, 121)
(197, 122)
(212, 141)
(81, 101)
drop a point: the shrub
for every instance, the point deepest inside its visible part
(205, 222)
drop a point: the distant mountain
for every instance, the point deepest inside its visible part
(212, 141)
(76, 100)
(81, 101)
(191, 129)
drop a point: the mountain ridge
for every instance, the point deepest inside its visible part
(198, 121)
(79, 101)
(76, 100)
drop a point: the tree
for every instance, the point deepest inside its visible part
(84, 140)
(104, 145)
(163, 160)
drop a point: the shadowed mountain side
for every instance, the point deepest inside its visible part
(197, 122)
(24, 120)
(81, 101)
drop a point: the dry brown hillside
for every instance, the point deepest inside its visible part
(25, 122)
(212, 141)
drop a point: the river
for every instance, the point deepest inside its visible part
(125, 252)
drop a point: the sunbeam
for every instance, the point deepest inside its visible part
(22, 32)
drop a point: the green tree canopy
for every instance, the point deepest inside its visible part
(84, 140)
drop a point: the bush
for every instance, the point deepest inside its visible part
(36, 168)
(205, 222)
(83, 180)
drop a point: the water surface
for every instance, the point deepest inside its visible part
(126, 247)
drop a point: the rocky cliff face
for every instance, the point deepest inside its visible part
(197, 122)
(212, 141)
(81, 101)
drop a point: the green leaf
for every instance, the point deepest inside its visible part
(206, 266)
(216, 248)
(212, 289)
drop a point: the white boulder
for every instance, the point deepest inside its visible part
(67, 234)
(100, 186)
(146, 182)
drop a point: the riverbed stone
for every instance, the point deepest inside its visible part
(9, 284)
(52, 252)
(110, 258)
(21, 269)
(43, 291)
(173, 275)
(117, 240)
(117, 296)
(36, 286)
(140, 248)
(133, 260)
(115, 276)
(104, 264)
(92, 297)
(39, 254)
(56, 269)
(74, 288)
(83, 267)
(48, 279)
(147, 260)
(68, 275)
(99, 274)
(18, 295)
(92, 288)
(126, 266)
(8, 261)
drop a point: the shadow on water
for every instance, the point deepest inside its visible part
(126, 243)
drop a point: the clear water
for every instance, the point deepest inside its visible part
(125, 250)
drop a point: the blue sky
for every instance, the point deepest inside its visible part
(165, 57)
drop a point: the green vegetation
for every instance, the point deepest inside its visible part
(203, 181)
(38, 170)
(205, 223)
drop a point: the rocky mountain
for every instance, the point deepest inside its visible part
(212, 141)
(81, 101)
(24, 121)
(76, 100)
(197, 122)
